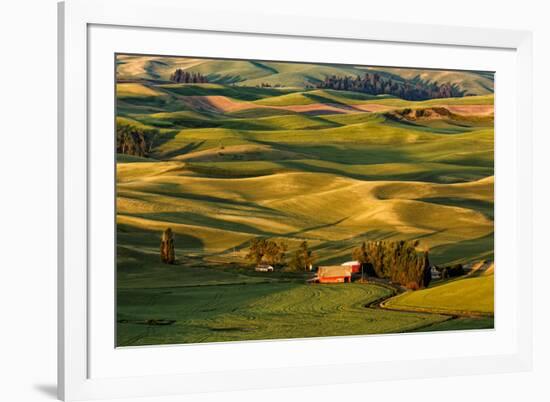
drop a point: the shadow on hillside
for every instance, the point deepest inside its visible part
(479, 248)
(187, 148)
(225, 202)
(139, 241)
(360, 155)
(190, 218)
(316, 227)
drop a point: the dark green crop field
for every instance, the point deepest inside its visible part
(260, 311)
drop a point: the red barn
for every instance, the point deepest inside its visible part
(355, 266)
(334, 274)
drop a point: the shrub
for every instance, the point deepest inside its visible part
(452, 271)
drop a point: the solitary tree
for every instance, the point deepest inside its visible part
(167, 252)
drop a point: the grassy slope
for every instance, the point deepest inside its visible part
(472, 81)
(188, 119)
(465, 295)
(461, 323)
(269, 151)
(240, 93)
(263, 311)
(373, 141)
(223, 214)
(135, 90)
(252, 73)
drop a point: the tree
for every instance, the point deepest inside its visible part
(256, 250)
(167, 251)
(268, 251)
(307, 255)
(131, 140)
(413, 89)
(360, 255)
(296, 262)
(181, 76)
(275, 253)
(302, 258)
(398, 261)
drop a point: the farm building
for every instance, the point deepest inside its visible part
(334, 274)
(264, 268)
(435, 273)
(355, 266)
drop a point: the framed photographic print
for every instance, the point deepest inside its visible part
(250, 198)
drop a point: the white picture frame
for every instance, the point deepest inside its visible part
(77, 379)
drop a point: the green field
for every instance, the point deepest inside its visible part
(258, 152)
(261, 311)
(465, 296)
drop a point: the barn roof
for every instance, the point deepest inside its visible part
(334, 270)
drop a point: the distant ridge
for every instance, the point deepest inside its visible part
(257, 73)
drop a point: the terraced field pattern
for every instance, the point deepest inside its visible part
(260, 149)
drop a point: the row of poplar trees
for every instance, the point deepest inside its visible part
(398, 261)
(374, 84)
(182, 76)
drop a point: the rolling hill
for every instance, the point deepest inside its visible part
(470, 295)
(230, 171)
(253, 73)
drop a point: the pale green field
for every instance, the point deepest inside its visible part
(468, 295)
(231, 162)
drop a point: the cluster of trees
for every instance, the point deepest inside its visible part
(374, 84)
(268, 85)
(265, 251)
(398, 261)
(167, 249)
(132, 140)
(182, 76)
